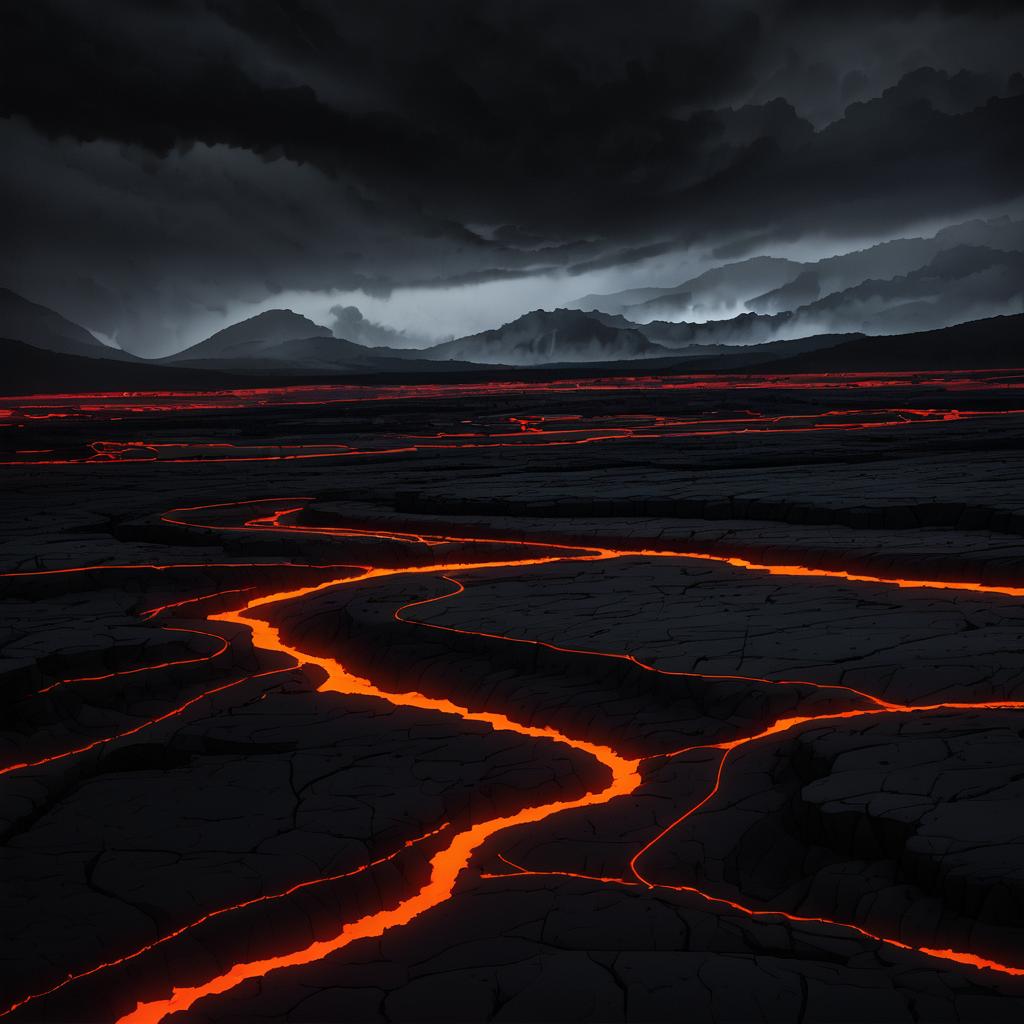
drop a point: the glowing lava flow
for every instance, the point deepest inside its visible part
(222, 647)
(588, 552)
(213, 914)
(125, 403)
(448, 864)
(777, 728)
(533, 433)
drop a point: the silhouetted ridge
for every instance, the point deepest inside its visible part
(41, 327)
(997, 342)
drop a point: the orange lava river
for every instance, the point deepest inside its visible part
(453, 858)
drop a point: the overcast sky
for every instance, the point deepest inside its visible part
(172, 166)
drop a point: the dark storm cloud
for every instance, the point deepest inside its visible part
(168, 158)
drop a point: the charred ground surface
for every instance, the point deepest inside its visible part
(641, 699)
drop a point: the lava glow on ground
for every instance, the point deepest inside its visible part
(111, 404)
(237, 628)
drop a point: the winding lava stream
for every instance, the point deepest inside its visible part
(448, 864)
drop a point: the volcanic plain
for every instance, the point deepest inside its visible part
(600, 699)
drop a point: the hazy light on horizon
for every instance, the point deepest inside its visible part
(431, 314)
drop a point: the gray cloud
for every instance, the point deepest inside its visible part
(172, 164)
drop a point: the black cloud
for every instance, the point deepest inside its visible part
(172, 157)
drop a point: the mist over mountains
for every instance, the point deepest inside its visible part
(349, 322)
(770, 285)
(966, 272)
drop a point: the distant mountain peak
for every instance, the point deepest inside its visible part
(550, 336)
(272, 326)
(276, 316)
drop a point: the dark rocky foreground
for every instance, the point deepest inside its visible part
(638, 592)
